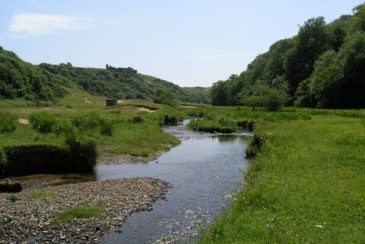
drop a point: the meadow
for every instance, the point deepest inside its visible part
(82, 123)
(306, 180)
(305, 185)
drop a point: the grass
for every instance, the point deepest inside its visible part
(307, 185)
(75, 213)
(12, 198)
(41, 195)
(114, 129)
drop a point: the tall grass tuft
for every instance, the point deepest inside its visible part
(7, 122)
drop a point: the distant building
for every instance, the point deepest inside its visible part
(110, 102)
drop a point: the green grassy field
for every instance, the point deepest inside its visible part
(138, 139)
(307, 185)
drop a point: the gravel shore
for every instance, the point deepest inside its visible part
(30, 219)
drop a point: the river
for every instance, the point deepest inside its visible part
(205, 171)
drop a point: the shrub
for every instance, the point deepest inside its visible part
(170, 120)
(164, 96)
(247, 125)
(7, 122)
(12, 198)
(255, 146)
(85, 150)
(95, 121)
(270, 99)
(274, 100)
(65, 127)
(43, 122)
(106, 127)
(137, 119)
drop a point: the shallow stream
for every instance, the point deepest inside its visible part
(205, 171)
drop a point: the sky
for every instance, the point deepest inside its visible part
(188, 42)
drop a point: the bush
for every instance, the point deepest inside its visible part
(274, 100)
(170, 120)
(106, 127)
(95, 121)
(43, 122)
(85, 150)
(164, 96)
(65, 127)
(137, 119)
(7, 122)
(271, 100)
(255, 146)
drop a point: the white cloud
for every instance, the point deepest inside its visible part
(37, 24)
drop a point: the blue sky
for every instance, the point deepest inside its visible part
(188, 42)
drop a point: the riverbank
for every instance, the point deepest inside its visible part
(307, 184)
(38, 215)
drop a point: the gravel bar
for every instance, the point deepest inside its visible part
(31, 219)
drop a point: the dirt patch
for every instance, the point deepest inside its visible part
(87, 101)
(140, 108)
(187, 106)
(143, 109)
(23, 121)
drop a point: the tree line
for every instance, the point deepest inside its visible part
(322, 66)
(47, 82)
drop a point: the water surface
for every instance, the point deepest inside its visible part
(204, 171)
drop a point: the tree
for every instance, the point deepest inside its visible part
(326, 80)
(271, 99)
(164, 96)
(220, 93)
(311, 42)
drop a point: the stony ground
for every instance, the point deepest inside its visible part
(30, 219)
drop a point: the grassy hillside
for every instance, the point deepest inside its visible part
(202, 93)
(19, 79)
(46, 82)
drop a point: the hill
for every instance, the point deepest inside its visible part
(322, 66)
(202, 93)
(47, 82)
(19, 79)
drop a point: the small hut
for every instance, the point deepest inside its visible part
(110, 102)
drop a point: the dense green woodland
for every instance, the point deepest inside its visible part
(47, 82)
(322, 66)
